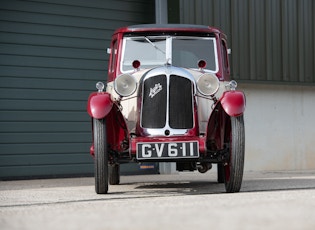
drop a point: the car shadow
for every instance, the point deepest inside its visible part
(212, 187)
(187, 187)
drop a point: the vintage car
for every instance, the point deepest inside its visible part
(168, 98)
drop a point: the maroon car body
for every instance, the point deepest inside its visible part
(168, 98)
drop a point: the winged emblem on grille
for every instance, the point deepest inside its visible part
(155, 90)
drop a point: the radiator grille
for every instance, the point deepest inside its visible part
(158, 94)
(154, 102)
(180, 103)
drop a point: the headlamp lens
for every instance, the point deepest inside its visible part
(125, 85)
(208, 84)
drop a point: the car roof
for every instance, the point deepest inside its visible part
(141, 28)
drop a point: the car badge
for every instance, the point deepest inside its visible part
(155, 90)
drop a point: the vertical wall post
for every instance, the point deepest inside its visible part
(161, 16)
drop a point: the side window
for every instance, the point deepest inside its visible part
(225, 56)
(113, 55)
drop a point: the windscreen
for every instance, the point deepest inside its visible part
(150, 51)
(187, 52)
(182, 51)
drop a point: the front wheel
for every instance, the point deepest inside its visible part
(101, 156)
(233, 169)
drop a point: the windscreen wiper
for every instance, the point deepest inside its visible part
(155, 46)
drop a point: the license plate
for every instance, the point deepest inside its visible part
(167, 150)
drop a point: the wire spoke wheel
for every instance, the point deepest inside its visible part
(233, 170)
(101, 156)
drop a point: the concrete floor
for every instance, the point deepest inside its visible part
(268, 200)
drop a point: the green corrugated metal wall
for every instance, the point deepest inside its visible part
(271, 40)
(51, 54)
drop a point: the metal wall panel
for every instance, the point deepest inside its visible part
(51, 54)
(271, 40)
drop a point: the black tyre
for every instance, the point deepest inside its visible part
(101, 156)
(114, 174)
(233, 170)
